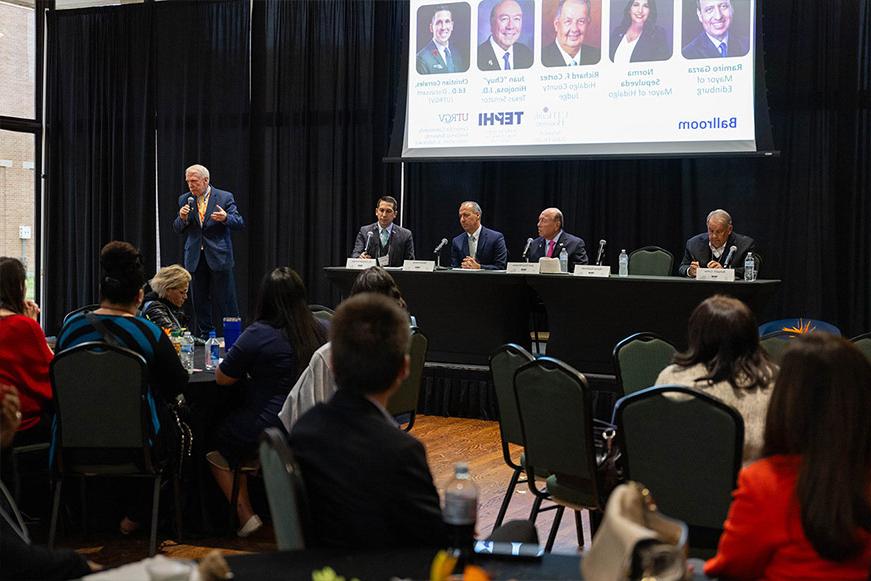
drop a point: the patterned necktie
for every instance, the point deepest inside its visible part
(449, 60)
(473, 246)
(201, 207)
(550, 246)
(505, 58)
(723, 49)
(385, 235)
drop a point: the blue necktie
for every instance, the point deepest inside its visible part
(507, 66)
(385, 235)
(723, 49)
(449, 60)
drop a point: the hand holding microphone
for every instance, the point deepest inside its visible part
(185, 210)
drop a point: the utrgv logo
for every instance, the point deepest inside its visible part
(448, 118)
(505, 118)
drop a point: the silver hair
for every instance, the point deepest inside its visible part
(198, 169)
(720, 215)
(475, 207)
(169, 277)
(586, 3)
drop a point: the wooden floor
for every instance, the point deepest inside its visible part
(447, 440)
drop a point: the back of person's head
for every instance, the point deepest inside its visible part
(369, 337)
(12, 284)
(723, 335)
(282, 303)
(377, 280)
(820, 410)
(123, 275)
(169, 277)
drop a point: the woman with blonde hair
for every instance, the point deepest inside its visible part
(163, 305)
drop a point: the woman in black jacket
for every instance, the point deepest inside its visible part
(163, 305)
(638, 38)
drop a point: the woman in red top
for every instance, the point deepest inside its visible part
(24, 355)
(804, 510)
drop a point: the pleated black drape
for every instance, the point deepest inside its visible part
(100, 154)
(202, 107)
(323, 82)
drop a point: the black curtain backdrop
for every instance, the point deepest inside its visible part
(202, 108)
(324, 79)
(100, 154)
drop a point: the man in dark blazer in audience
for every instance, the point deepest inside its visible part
(477, 247)
(710, 249)
(388, 241)
(506, 24)
(552, 239)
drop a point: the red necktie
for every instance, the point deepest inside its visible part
(550, 246)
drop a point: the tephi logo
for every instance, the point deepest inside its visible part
(503, 118)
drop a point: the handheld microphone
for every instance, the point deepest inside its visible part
(440, 246)
(526, 249)
(729, 256)
(601, 252)
(191, 202)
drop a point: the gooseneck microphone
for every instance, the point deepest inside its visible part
(441, 245)
(368, 240)
(526, 250)
(732, 250)
(601, 254)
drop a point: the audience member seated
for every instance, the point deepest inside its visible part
(368, 482)
(724, 359)
(24, 354)
(19, 559)
(804, 510)
(316, 383)
(163, 305)
(121, 281)
(269, 352)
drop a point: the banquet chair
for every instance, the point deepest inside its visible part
(404, 401)
(85, 309)
(800, 325)
(103, 425)
(686, 447)
(651, 261)
(285, 490)
(638, 360)
(504, 363)
(775, 343)
(321, 312)
(863, 342)
(556, 420)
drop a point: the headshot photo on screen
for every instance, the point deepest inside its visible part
(571, 32)
(443, 32)
(506, 30)
(716, 28)
(641, 30)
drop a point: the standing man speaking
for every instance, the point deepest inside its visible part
(206, 216)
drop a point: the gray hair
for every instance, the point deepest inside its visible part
(559, 10)
(721, 216)
(169, 277)
(475, 207)
(198, 169)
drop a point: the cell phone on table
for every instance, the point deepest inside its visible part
(503, 550)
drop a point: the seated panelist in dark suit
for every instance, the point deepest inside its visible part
(552, 239)
(715, 39)
(501, 51)
(477, 247)
(638, 38)
(438, 56)
(570, 23)
(710, 249)
(387, 239)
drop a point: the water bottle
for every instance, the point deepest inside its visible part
(749, 268)
(460, 511)
(187, 351)
(213, 353)
(624, 263)
(563, 260)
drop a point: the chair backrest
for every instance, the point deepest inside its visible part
(800, 325)
(651, 261)
(639, 358)
(553, 401)
(101, 398)
(504, 363)
(775, 343)
(863, 342)
(321, 312)
(285, 490)
(686, 449)
(405, 399)
(85, 309)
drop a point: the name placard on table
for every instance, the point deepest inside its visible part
(419, 265)
(721, 274)
(590, 270)
(359, 263)
(522, 268)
